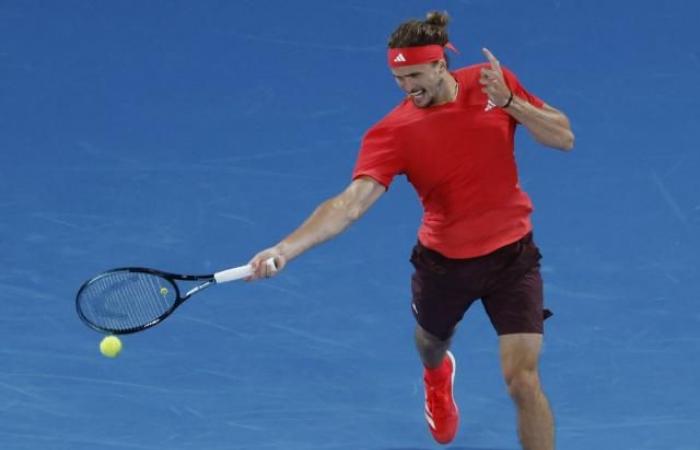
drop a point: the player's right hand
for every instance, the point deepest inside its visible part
(263, 270)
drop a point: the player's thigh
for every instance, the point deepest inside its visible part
(440, 292)
(517, 306)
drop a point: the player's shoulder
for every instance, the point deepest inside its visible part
(468, 71)
(474, 70)
(398, 116)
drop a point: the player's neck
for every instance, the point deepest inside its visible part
(449, 91)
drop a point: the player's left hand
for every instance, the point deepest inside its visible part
(492, 81)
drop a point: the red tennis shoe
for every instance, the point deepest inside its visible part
(440, 407)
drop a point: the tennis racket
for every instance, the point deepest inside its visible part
(132, 299)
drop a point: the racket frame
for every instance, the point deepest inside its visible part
(171, 278)
(224, 276)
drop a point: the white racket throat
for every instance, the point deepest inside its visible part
(241, 272)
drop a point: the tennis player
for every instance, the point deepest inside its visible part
(453, 138)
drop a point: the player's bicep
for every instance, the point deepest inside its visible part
(360, 195)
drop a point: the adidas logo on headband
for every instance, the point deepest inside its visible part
(421, 54)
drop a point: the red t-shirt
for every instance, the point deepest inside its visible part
(459, 157)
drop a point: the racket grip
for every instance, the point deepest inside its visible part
(238, 273)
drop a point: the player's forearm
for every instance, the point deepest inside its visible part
(547, 125)
(328, 220)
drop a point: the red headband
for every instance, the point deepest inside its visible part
(409, 56)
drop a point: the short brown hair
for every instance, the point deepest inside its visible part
(413, 33)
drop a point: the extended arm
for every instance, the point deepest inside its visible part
(329, 219)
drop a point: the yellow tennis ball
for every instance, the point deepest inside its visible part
(111, 346)
(163, 291)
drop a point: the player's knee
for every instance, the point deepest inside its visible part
(426, 340)
(523, 385)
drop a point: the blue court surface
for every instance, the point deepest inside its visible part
(187, 136)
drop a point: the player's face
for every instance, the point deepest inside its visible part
(422, 82)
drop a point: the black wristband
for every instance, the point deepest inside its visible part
(510, 99)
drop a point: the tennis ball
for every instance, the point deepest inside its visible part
(163, 291)
(111, 346)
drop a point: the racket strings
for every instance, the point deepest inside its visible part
(126, 300)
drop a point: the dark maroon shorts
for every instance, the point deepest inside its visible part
(507, 281)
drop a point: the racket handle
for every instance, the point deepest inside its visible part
(238, 273)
